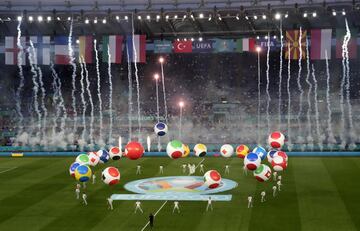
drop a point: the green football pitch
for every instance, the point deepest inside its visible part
(317, 194)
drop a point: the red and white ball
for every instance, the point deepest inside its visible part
(110, 176)
(212, 179)
(279, 163)
(276, 139)
(227, 150)
(115, 153)
(282, 154)
(263, 173)
(93, 158)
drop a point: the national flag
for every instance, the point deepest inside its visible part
(12, 50)
(203, 46)
(162, 46)
(320, 42)
(42, 49)
(352, 46)
(292, 40)
(86, 48)
(245, 45)
(136, 46)
(224, 45)
(182, 46)
(115, 44)
(61, 50)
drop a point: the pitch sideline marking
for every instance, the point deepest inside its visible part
(8, 170)
(167, 201)
(154, 215)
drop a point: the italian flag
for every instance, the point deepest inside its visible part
(86, 48)
(245, 45)
(352, 46)
(320, 44)
(114, 44)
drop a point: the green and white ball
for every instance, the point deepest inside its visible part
(263, 173)
(175, 149)
(83, 159)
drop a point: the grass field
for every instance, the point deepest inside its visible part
(317, 194)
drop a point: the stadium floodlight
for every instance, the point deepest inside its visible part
(48, 18)
(77, 41)
(210, 17)
(305, 15)
(264, 16)
(31, 18)
(237, 17)
(343, 12)
(201, 15)
(246, 17)
(69, 18)
(184, 17)
(255, 17)
(286, 15)
(334, 12)
(95, 21)
(314, 14)
(258, 49)
(104, 21)
(192, 39)
(58, 18)
(181, 104)
(167, 17)
(19, 18)
(87, 21)
(40, 18)
(156, 76)
(266, 37)
(200, 39)
(117, 17)
(175, 16)
(161, 59)
(148, 17)
(139, 17)
(274, 36)
(277, 16)
(126, 17)
(258, 37)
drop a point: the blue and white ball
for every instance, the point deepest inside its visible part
(72, 168)
(270, 155)
(260, 151)
(160, 129)
(103, 155)
(252, 161)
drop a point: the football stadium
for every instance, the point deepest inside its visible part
(204, 115)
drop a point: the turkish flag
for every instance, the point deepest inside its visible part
(182, 46)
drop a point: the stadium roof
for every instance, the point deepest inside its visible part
(180, 19)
